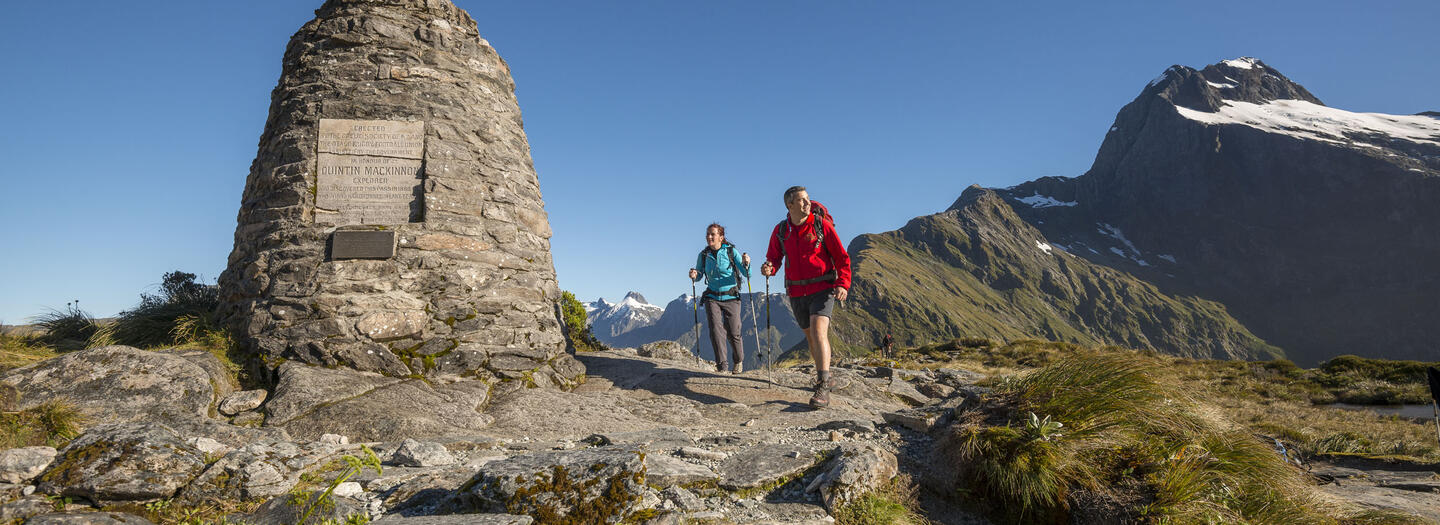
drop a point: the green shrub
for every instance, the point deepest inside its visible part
(576, 328)
(171, 317)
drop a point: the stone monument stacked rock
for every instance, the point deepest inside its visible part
(392, 220)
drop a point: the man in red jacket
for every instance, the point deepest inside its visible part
(817, 275)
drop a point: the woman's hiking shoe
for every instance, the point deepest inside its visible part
(738, 368)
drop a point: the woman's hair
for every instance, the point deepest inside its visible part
(792, 191)
(717, 226)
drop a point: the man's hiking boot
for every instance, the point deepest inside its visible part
(739, 367)
(821, 399)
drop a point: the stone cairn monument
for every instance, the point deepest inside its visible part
(392, 220)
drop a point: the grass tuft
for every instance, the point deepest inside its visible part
(52, 423)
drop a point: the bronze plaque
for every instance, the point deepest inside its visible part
(357, 244)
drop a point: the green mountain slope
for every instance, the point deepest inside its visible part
(978, 270)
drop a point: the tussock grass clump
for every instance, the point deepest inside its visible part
(68, 329)
(1117, 425)
(52, 423)
(891, 504)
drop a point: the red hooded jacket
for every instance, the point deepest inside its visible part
(805, 260)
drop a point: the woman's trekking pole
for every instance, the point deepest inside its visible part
(695, 308)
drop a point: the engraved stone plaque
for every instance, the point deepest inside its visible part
(362, 245)
(355, 189)
(384, 138)
(369, 172)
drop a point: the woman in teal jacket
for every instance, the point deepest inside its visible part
(722, 270)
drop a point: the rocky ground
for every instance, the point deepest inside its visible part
(651, 431)
(652, 434)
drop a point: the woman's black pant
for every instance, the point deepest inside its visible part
(724, 319)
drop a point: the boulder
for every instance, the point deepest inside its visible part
(20, 465)
(222, 380)
(669, 350)
(853, 471)
(115, 384)
(284, 510)
(310, 401)
(421, 454)
(123, 462)
(24, 508)
(261, 470)
(595, 485)
(244, 401)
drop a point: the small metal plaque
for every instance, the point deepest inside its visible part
(358, 244)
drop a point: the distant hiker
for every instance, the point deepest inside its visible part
(817, 275)
(722, 271)
(886, 344)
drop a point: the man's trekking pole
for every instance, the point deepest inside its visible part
(753, 324)
(695, 308)
(1433, 375)
(769, 356)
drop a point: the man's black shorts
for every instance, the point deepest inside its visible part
(818, 303)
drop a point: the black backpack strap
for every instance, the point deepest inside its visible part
(735, 264)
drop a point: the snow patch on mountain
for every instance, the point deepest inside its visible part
(1041, 201)
(1131, 252)
(1307, 120)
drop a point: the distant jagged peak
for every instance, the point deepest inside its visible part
(635, 297)
(1243, 79)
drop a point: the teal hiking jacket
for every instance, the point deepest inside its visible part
(718, 268)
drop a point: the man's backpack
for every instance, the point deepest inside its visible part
(820, 212)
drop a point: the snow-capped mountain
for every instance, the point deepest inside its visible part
(609, 320)
(1314, 227)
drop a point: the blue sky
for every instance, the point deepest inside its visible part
(129, 127)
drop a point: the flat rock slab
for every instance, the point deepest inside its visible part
(123, 462)
(544, 414)
(601, 484)
(764, 464)
(118, 383)
(660, 437)
(457, 519)
(668, 471)
(310, 401)
(89, 518)
(923, 419)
